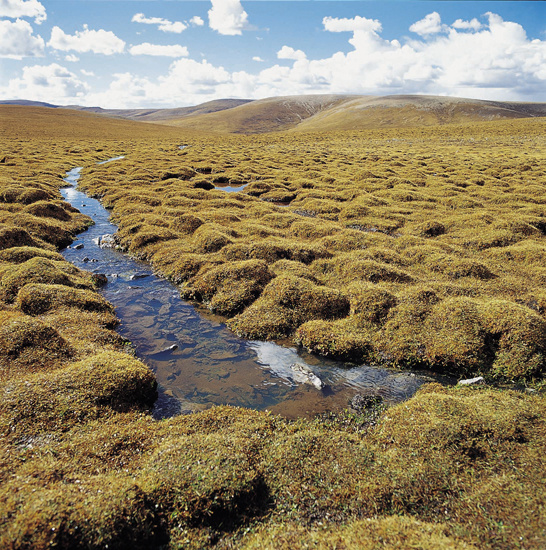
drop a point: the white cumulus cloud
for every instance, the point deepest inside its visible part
(101, 41)
(430, 24)
(87, 73)
(17, 40)
(228, 17)
(286, 52)
(23, 8)
(197, 21)
(334, 24)
(473, 24)
(159, 50)
(162, 24)
(51, 83)
(258, 59)
(71, 58)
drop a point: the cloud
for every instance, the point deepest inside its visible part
(497, 61)
(162, 24)
(333, 24)
(17, 40)
(257, 58)
(228, 17)
(87, 73)
(286, 52)
(23, 8)
(431, 24)
(101, 41)
(72, 58)
(473, 25)
(158, 50)
(51, 83)
(196, 21)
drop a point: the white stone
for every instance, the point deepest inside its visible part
(471, 381)
(302, 373)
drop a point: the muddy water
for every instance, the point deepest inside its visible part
(197, 361)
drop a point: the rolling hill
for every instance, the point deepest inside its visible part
(264, 115)
(338, 112)
(316, 113)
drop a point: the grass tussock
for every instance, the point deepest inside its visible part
(286, 303)
(41, 270)
(229, 288)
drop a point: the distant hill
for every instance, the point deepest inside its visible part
(143, 115)
(263, 115)
(28, 121)
(26, 103)
(319, 113)
(160, 115)
(415, 110)
(344, 112)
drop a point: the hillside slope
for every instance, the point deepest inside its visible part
(44, 122)
(406, 110)
(317, 113)
(141, 115)
(264, 115)
(159, 115)
(344, 112)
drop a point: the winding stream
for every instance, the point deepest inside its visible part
(197, 361)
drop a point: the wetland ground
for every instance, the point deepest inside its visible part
(406, 247)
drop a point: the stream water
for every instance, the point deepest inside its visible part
(197, 361)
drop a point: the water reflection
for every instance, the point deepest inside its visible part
(110, 160)
(229, 188)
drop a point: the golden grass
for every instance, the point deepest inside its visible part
(361, 266)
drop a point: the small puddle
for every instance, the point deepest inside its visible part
(228, 188)
(197, 361)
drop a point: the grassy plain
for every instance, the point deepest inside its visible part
(410, 246)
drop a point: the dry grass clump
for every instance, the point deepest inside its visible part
(455, 268)
(355, 267)
(35, 299)
(369, 534)
(24, 195)
(286, 303)
(211, 237)
(45, 209)
(28, 344)
(14, 236)
(207, 480)
(20, 254)
(41, 270)
(290, 267)
(272, 250)
(229, 288)
(186, 224)
(340, 339)
(56, 401)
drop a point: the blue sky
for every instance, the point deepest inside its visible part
(137, 54)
